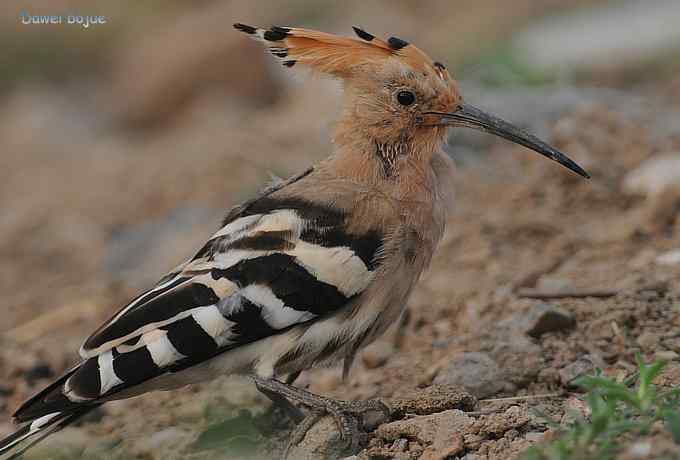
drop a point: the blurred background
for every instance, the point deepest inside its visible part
(123, 144)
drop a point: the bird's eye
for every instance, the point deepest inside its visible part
(406, 97)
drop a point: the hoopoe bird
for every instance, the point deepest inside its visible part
(312, 269)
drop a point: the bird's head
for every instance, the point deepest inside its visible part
(398, 100)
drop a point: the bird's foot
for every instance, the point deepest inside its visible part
(354, 419)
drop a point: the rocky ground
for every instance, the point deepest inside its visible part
(541, 276)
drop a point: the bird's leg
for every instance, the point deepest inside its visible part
(353, 419)
(283, 404)
(292, 377)
(280, 402)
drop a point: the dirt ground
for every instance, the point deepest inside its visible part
(541, 277)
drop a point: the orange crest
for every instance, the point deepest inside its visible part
(340, 56)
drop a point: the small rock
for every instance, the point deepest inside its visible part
(496, 425)
(476, 372)
(400, 445)
(534, 436)
(377, 354)
(669, 376)
(669, 258)
(318, 443)
(666, 355)
(544, 318)
(640, 450)
(654, 175)
(520, 361)
(648, 340)
(570, 372)
(441, 433)
(454, 446)
(433, 399)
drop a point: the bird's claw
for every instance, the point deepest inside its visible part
(354, 419)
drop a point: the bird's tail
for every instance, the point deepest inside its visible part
(33, 432)
(45, 413)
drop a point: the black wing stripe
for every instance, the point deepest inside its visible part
(85, 383)
(190, 339)
(136, 366)
(319, 214)
(364, 246)
(295, 286)
(264, 241)
(325, 226)
(152, 294)
(156, 311)
(249, 324)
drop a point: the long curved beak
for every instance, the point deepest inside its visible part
(472, 117)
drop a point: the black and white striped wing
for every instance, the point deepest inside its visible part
(276, 264)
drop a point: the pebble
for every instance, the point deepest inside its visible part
(319, 442)
(520, 360)
(648, 340)
(654, 175)
(570, 372)
(666, 355)
(440, 432)
(669, 258)
(433, 399)
(535, 436)
(640, 450)
(476, 372)
(544, 318)
(377, 354)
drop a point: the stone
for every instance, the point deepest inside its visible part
(654, 175)
(441, 433)
(319, 442)
(572, 371)
(648, 341)
(544, 318)
(476, 372)
(666, 355)
(433, 399)
(520, 361)
(669, 376)
(669, 258)
(497, 424)
(377, 354)
(639, 450)
(535, 436)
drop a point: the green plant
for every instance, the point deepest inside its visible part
(617, 410)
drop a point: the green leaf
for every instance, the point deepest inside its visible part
(672, 422)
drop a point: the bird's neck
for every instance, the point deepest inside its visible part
(400, 166)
